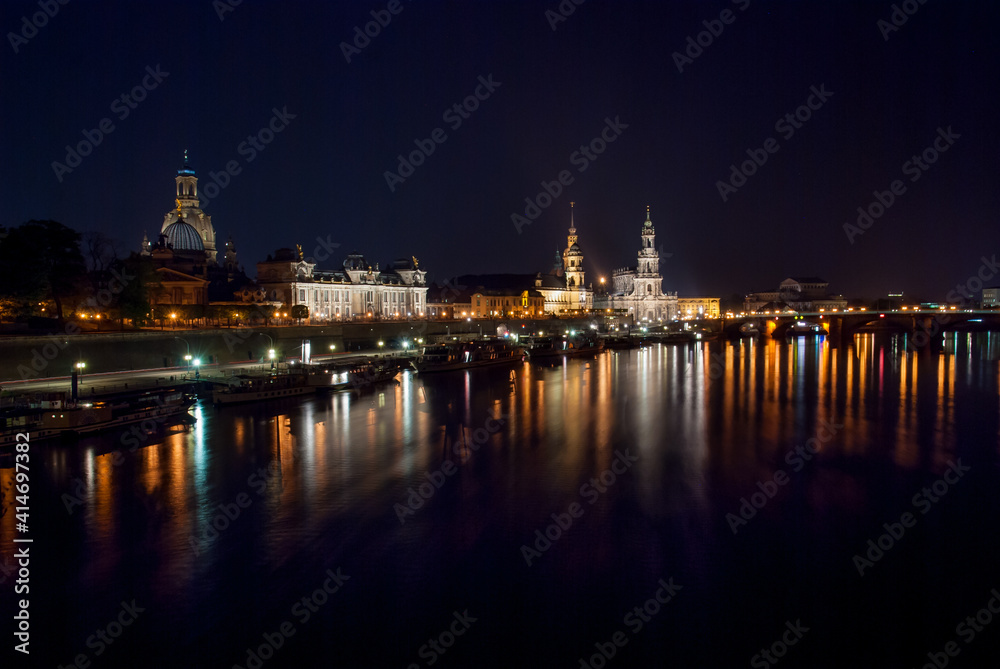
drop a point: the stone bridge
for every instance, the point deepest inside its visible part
(843, 325)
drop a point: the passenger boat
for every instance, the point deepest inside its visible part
(683, 337)
(361, 374)
(467, 355)
(572, 347)
(248, 388)
(58, 417)
(802, 329)
(622, 342)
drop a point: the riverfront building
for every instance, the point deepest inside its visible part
(809, 294)
(357, 291)
(639, 291)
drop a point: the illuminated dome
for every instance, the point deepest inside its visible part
(182, 237)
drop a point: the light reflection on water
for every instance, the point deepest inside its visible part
(323, 474)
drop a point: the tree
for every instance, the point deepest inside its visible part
(140, 279)
(300, 311)
(41, 260)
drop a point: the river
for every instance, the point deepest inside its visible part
(713, 505)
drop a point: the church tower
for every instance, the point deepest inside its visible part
(647, 276)
(188, 211)
(573, 256)
(231, 265)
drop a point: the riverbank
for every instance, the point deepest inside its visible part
(55, 355)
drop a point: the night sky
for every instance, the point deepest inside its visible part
(323, 175)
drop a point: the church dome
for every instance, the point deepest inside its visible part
(182, 237)
(574, 250)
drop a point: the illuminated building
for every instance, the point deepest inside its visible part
(796, 294)
(639, 292)
(698, 307)
(356, 292)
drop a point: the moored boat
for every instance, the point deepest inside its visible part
(248, 388)
(467, 355)
(55, 418)
(361, 374)
(572, 347)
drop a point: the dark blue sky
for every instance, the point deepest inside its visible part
(324, 174)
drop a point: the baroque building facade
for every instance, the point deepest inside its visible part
(796, 294)
(184, 255)
(356, 292)
(565, 288)
(639, 291)
(188, 213)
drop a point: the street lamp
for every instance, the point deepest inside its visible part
(75, 376)
(197, 367)
(270, 355)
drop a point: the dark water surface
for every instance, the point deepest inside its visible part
(681, 435)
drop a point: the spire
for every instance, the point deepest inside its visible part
(186, 168)
(572, 225)
(647, 225)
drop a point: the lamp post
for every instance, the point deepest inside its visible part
(77, 371)
(187, 346)
(270, 347)
(197, 367)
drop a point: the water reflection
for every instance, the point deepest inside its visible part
(323, 473)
